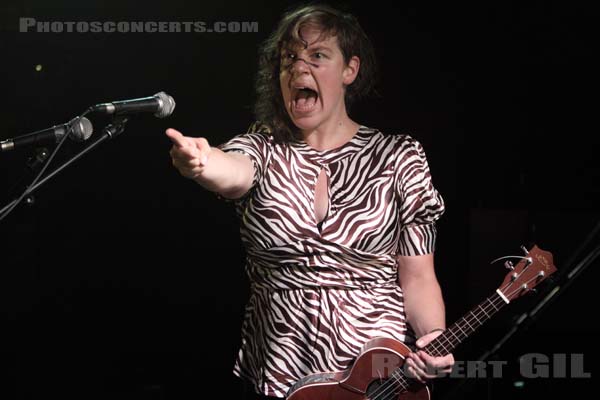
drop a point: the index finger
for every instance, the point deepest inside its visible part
(177, 138)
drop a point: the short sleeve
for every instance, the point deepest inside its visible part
(420, 203)
(255, 144)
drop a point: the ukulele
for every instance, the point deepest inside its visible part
(377, 372)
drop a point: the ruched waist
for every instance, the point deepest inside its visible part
(289, 275)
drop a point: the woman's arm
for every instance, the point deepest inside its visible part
(425, 312)
(229, 174)
(423, 302)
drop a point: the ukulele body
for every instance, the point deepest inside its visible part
(374, 366)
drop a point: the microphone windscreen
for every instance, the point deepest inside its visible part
(81, 129)
(167, 105)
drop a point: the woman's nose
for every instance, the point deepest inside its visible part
(300, 66)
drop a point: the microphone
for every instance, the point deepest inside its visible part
(161, 104)
(81, 129)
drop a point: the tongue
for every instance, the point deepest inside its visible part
(306, 100)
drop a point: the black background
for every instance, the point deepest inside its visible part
(125, 280)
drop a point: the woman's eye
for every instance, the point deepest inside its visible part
(319, 55)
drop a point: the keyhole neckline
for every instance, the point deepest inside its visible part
(325, 187)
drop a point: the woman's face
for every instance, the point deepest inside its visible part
(313, 80)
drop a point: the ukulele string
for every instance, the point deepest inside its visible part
(388, 388)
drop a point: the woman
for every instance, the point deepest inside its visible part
(338, 219)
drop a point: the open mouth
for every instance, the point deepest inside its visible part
(305, 99)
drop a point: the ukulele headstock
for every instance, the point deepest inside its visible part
(533, 268)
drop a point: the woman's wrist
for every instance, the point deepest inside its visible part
(436, 330)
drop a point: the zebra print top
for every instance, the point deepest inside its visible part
(319, 292)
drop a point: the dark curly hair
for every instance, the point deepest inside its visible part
(269, 108)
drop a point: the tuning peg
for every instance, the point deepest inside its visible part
(527, 257)
(509, 264)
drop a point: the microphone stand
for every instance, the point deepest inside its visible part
(109, 132)
(32, 167)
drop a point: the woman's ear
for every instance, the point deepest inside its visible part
(351, 70)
